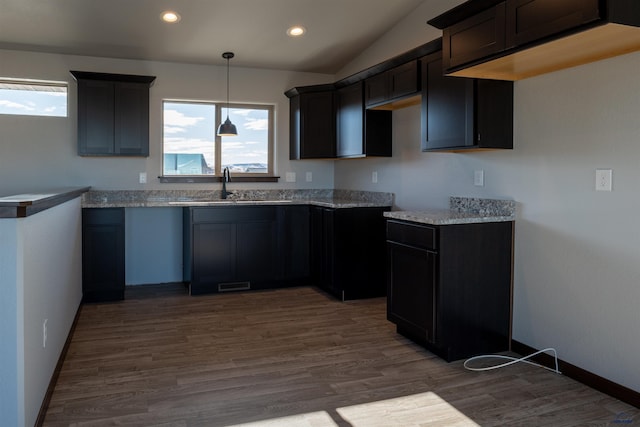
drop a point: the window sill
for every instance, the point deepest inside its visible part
(203, 179)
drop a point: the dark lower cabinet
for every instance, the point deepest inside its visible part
(449, 287)
(348, 251)
(103, 260)
(229, 248)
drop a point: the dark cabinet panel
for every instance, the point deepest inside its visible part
(294, 223)
(95, 117)
(460, 113)
(131, 122)
(312, 133)
(348, 251)
(531, 20)
(411, 291)
(455, 299)
(113, 114)
(474, 38)
(214, 256)
(103, 259)
(361, 132)
(249, 247)
(396, 83)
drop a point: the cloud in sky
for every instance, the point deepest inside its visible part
(256, 124)
(15, 105)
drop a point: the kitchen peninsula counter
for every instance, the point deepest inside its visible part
(24, 205)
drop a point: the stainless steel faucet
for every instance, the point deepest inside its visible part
(226, 177)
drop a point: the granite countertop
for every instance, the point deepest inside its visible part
(193, 198)
(462, 210)
(23, 205)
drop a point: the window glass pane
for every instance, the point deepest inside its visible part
(249, 151)
(28, 98)
(189, 138)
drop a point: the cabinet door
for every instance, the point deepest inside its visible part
(403, 80)
(494, 114)
(475, 37)
(131, 111)
(317, 125)
(447, 108)
(350, 120)
(532, 20)
(95, 117)
(296, 242)
(411, 290)
(103, 256)
(214, 256)
(256, 250)
(376, 89)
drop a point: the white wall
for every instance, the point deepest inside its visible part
(41, 278)
(41, 151)
(577, 264)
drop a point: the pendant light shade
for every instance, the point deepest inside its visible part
(227, 128)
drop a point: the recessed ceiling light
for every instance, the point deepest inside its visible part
(170, 16)
(296, 31)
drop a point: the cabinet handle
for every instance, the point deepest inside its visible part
(478, 137)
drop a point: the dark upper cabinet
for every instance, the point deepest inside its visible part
(516, 39)
(531, 20)
(103, 258)
(361, 132)
(474, 38)
(396, 83)
(113, 114)
(459, 114)
(312, 133)
(449, 287)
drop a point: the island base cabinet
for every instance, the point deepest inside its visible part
(450, 286)
(103, 259)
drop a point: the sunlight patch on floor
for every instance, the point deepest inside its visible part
(423, 409)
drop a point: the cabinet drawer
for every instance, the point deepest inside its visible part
(412, 234)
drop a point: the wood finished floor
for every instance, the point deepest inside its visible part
(290, 357)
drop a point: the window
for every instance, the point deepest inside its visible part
(191, 148)
(33, 97)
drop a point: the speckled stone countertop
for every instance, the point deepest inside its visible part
(185, 198)
(462, 210)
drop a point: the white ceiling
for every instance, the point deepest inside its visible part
(255, 30)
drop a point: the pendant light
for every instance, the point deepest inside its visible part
(227, 128)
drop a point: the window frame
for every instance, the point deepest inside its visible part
(269, 176)
(35, 83)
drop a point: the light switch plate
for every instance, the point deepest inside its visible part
(309, 177)
(374, 177)
(143, 178)
(604, 178)
(478, 178)
(291, 177)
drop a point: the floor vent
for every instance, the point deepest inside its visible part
(235, 286)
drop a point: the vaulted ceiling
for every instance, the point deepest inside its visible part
(255, 30)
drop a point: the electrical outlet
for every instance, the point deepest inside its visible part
(604, 179)
(44, 333)
(309, 177)
(143, 178)
(374, 177)
(478, 178)
(290, 177)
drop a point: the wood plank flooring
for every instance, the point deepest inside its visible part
(290, 357)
